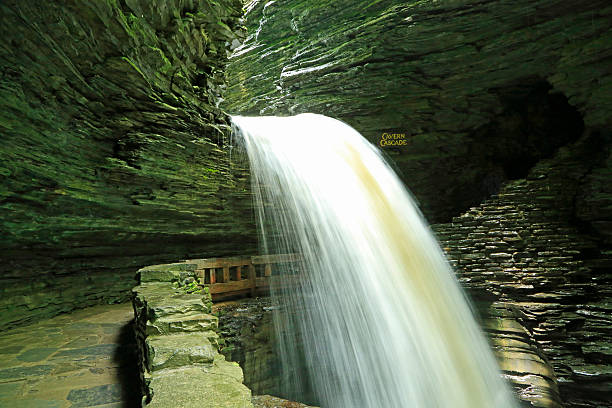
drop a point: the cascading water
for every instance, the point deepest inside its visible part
(376, 317)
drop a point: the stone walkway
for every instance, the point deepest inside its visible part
(82, 359)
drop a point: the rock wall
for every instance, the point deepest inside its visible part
(177, 343)
(249, 338)
(594, 199)
(475, 95)
(113, 150)
(522, 252)
(478, 91)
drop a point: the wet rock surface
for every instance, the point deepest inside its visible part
(112, 149)
(177, 345)
(479, 91)
(248, 337)
(548, 279)
(248, 334)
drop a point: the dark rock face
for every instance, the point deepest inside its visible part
(112, 147)
(520, 252)
(249, 338)
(594, 200)
(480, 91)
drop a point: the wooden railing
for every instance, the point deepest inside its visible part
(235, 276)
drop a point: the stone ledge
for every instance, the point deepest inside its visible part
(178, 350)
(177, 339)
(218, 386)
(165, 273)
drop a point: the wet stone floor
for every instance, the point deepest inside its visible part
(82, 359)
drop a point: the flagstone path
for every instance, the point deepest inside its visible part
(82, 359)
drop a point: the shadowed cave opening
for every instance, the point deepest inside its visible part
(530, 122)
(535, 121)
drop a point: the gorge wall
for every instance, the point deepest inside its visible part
(501, 113)
(480, 90)
(520, 252)
(113, 149)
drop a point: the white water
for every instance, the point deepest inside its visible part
(377, 319)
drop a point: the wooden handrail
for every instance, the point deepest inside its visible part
(276, 258)
(226, 285)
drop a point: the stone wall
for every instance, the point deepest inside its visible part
(480, 90)
(113, 149)
(522, 252)
(177, 339)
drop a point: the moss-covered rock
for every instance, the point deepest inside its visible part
(177, 349)
(113, 149)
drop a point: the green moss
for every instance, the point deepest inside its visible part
(105, 151)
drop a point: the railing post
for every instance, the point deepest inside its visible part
(239, 272)
(226, 274)
(252, 279)
(213, 277)
(268, 270)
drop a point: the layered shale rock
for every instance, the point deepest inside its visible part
(465, 98)
(547, 283)
(474, 92)
(112, 149)
(249, 338)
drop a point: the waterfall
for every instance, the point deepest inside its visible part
(373, 316)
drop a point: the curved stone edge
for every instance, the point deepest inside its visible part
(177, 346)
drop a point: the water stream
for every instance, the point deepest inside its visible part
(376, 317)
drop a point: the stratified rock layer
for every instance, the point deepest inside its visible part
(475, 94)
(479, 90)
(112, 147)
(549, 283)
(249, 338)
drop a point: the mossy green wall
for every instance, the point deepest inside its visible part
(114, 154)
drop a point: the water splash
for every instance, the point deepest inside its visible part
(377, 318)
